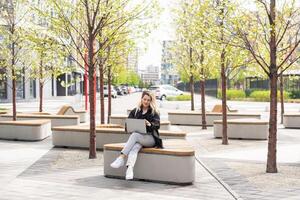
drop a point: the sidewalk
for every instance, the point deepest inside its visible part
(38, 171)
(35, 170)
(242, 163)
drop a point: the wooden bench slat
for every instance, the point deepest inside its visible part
(86, 129)
(42, 116)
(210, 113)
(26, 122)
(243, 121)
(171, 147)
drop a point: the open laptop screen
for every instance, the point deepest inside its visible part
(136, 125)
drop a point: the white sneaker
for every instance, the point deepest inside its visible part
(129, 173)
(118, 162)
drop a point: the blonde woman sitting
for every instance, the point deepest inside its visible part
(146, 110)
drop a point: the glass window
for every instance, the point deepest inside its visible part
(20, 83)
(3, 84)
(32, 88)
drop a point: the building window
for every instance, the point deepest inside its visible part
(20, 82)
(3, 85)
(32, 88)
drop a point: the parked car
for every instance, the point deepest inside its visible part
(131, 89)
(137, 89)
(124, 89)
(163, 91)
(113, 91)
(119, 90)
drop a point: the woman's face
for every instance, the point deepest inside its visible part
(146, 101)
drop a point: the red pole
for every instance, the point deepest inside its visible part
(86, 80)
(95, 90)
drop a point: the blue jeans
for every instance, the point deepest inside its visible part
(134, 144)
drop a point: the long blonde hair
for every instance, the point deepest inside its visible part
(153, 105)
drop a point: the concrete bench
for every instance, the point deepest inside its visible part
(291, 120)
(67, 110)
(79, 137)
(174, 164)
(218, 108)
(29, 130)
(120, 119)
(243, 129)
(195, 117)
(56, 120)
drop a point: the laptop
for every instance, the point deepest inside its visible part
(136, 125)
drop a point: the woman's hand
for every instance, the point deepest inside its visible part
(147, 123)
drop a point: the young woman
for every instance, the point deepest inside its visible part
(146, 110)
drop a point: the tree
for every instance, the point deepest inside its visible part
(271, 35)
(227, 56)
(77, 25)
(127, 26)
(80, 26)
(48, 59)
(13, 50)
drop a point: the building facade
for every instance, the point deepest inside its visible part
(27, 88)
(151, 75)
(169, 74)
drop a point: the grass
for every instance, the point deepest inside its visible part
(184, 97)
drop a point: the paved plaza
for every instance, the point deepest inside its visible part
(36, 170)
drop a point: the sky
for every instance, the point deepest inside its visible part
(165, 31)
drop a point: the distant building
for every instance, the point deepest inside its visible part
(169, 74)
(132, 60)
(28, 88)
(150, 75)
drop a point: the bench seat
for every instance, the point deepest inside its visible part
(67, 110)
(291, 120)
(120, 119)
(28, 130)
(78, 136)
(243, 129)
(174, 164)
(56, 120)
(195, 117)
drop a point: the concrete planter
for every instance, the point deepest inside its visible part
(29, 130)
(56, 120)
(243, 129)
(195, 118)
(174, 164)
(78, 136)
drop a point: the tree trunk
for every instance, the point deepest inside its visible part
(101, 81)
(109, 94)
(281, 98)
(271, 160)
(14, 94)
(41, 95)
(192, 92)
(202, 90)
(92, 150)
(224, 104)
(203, 111)
(41, 84)
(192, 81)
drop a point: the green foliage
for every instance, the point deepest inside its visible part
(233, 94)
(126, 77)
(184, 97)
(132, 78)
(265, 95)
(294, 94)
